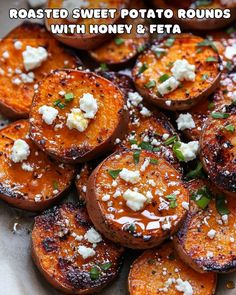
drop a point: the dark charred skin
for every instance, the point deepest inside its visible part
(19, 187)
(71, 274)
(218, 151)
(72, 146)
(194, 229)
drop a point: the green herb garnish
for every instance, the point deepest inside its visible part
(211, 59)
(119, 41)
(207, 43)
(69, 97)
(221, 205)
(177, 152)
(105, 266)
(170, 41)
(103, 67)
(58, 103)
(172, 199)
(205, 77)
(150, 84)
(163, 78)
(55, 185)
(146, 146)
(94, 273)
(114, 173)
(142, 69)
(202, 197)
(230, 128)
(136, 156)
(153, 161)
(211, 106)
(196, 173)
(170, 140)
(218, 115)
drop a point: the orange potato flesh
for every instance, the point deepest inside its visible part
(218, 150)
(20, 187)
(151, 271)
(214, 103)
(190, 93)
(70, 145)
(113, 53)
(86, 41)
(114, 218)
(55, 240)
(82, 179)
(34, 35)
(194, 244)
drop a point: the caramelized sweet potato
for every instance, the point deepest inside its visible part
(34, 183)
(214, 103)
(73, 137)
(150, 130)
(86, 41)
(204, 24)
(206, 239)
(17, 86)
(123, 47)
(161, 271)
(82, 179)
(218, 149)
(136, 199)
(71, 255)
(154, 67)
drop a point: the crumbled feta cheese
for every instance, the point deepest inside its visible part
(233, 96)
(5, 55)
(145, 164)
(183, 70)
(168, 86)
(165, 136)
(134, 200)
(93, 236)
(189, 150)
(211, 234)
(130, 176)
(36, 3)
(86, 252)
(88, 104)
(225, 218)
(184, 286)
(134, 98)
(49, 114)
(16, 81)
(70, 5)
(185, 121)
(33, 57)
(230, 51)
(18, 45)
(76, 120)
(145, 112)
(27, 78)
(105, 198)
(20, 151)
(27, 167)
(185, 205)
(210, 254)
(168, 103)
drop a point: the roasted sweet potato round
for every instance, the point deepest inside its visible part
(203, 24)
(150, 130)
(15, 78)
(86, 118)
(29, 179)
(161, 271)
(123, 47)
(170, 73)
(136, 198)
(218, 149)
(206, 241)
(71, 254)
(214, 103)
(86, 41)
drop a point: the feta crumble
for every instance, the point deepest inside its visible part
(134, 200)
(168, 86)
(189, 150)
(230, 51)
(211, 234)
(76, 120)
(134, 98)
(130, 176)
(88, 104)
(20, 151)
(185, 121)
(33, 57)
(86, 252)
(93, 236)
(49, 114)
(184, 286)
(183, 70)
(18, 45)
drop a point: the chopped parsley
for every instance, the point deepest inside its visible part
(171, 140)
(207, 43)
(211, 59)
(136, 156)
(163, 78)
(58, 103)
(172, 199)
(196, 173)
(69, 97)
(94, 273)
(150, 84)
(205, 77)
(202, 197)
(230, 128)
(103, 67)
(170, 41)
(119, 41)
(221, 205)
(177, 152)
(153, 161)
(142, 69)
(105, 266)
(114, 173)
(218, 115)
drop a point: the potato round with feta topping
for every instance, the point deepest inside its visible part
(85, 41)
(218, 149)
(169, 74)
(206, 241)
(29, 179)
(77, 116)
(27, 54)
(136, 198)
(71, 254)
(161, 271)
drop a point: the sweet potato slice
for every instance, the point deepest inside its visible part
(35, 182)
(204, 24)
(82, 179)
(123, 47)
(154, 68)
(70, 253)
(71, 143)
(206, 239)
(150, 130)
(218, 149)
(161, 271)
(136, 221)
(14, 79)
(86, 41)
(214, 103)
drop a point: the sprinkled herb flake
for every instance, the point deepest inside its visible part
(94, 273)
(114, 173)
(154, 161)
(221, 205)
(136, 157)
(163, 78)
(69, 97)
(172, 199)
(105, 266)
(170, 42)
(142, 69)
(218, 115)
(230, 128)
(103, 67)
(196, 173)
(207, 43)
(211, 59)
(150, 84)
(211, 106)
(171, 140)
(202, 197)
(177, 152)
(119, 41)
(58, 103)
